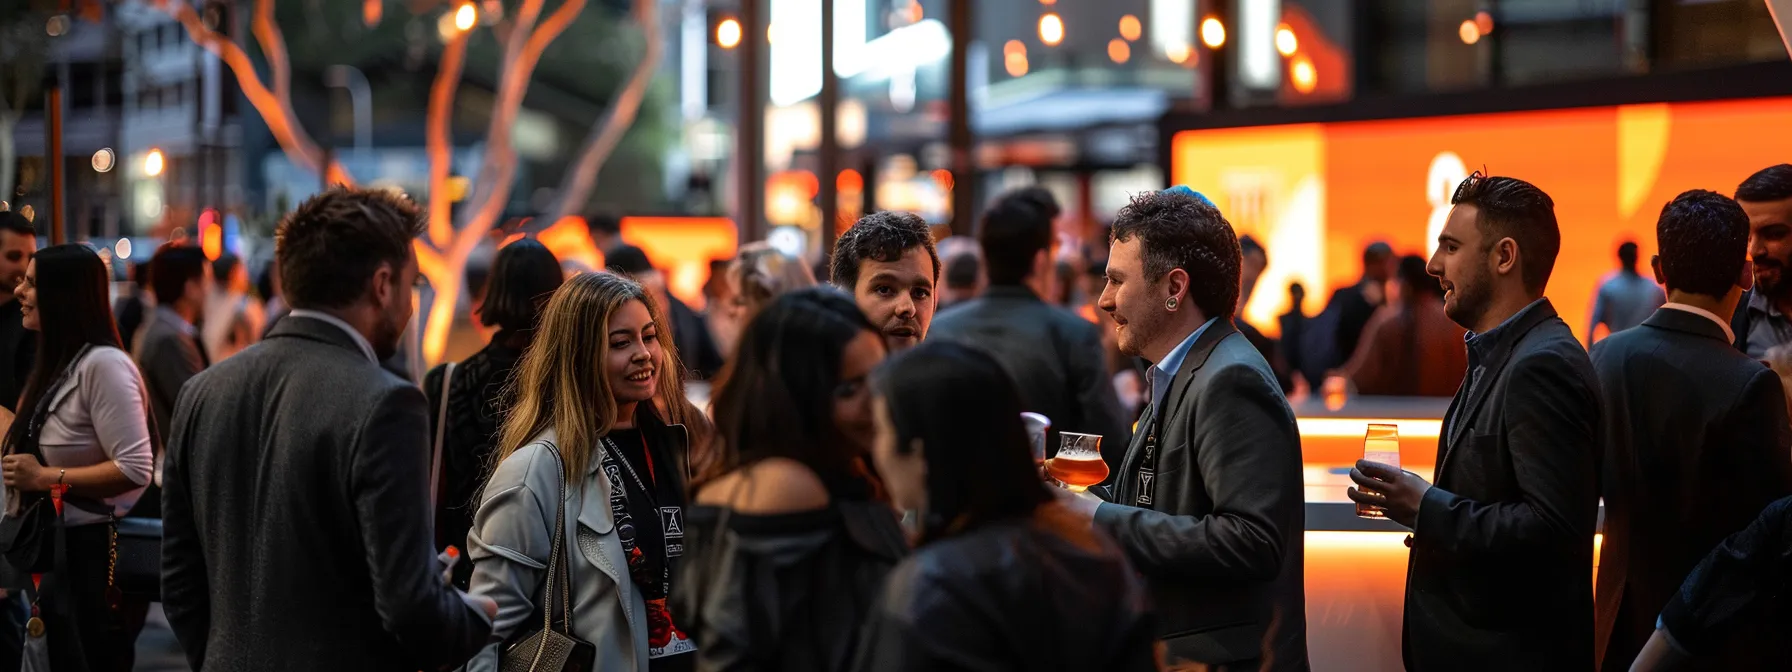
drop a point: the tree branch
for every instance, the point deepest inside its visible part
(441, 149)
(500, 158)
(575, 189)
(273, 46)
(275, 110)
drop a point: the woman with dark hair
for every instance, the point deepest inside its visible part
(523, 276)
(789, 539)
(1410, 348)
(82, 425)
(1002, 578)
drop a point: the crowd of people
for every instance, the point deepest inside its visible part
(860, 491)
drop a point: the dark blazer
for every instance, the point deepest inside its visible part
(168, 357)
(18, 352)
(1222, 545)
(1735, 608)
(296, 528)
(1500, 575)
(1055, 357)
(1697, 442)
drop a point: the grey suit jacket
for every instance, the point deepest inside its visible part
(1222, 544)
(297, 532)
(168, 357)
(1055, 357)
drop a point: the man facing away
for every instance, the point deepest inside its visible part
(1208, 503)
(294, 494)
(1055, 357)
(1625, 298)
(888, 262)
(1697, 438)
(1500, 573)
(1761, 320)
(169, 350)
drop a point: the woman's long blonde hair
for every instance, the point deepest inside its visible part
(561, 383)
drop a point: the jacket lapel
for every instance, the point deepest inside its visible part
(1126, 487)
(1493, 367)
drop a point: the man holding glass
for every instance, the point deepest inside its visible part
(1208, 502)
(1500, 572)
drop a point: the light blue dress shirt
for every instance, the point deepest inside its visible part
(1165, 371)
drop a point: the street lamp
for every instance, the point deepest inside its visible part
(1213, 33)
(465, 16)
(1051, 29)
(153, 163)
(728, 34)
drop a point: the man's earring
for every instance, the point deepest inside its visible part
(1171, 303)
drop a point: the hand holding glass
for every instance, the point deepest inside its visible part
(1078, 464)
(1380, 444)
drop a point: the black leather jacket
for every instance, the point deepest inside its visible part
(1011, 596)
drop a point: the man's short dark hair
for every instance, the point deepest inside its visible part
(1627, 252)
(173, 266)
(1513, 208)
(333, 243)
(1177, 230)
(1773, 183)
(16, 223)
(223, 266)
(627, 260)
(1015, 229)
(1703, 240)
(603, 222)
(962, 270)
(1377, 252)
(880, 236)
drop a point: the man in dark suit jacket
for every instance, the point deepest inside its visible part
(168, 350)
(1055, 357)
(1500, 575)
(1739, 592)
(294, 491)
(1697, 440)
(1208, 503)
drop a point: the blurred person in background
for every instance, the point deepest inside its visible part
(83, 425)
(465, 429)
(1054, 356)
(233, 316)
(274, 302)
(18, 244)
(1208, 502)
(599, 443)
(888, 263)
(1410, 348)
(718, 306)
(790, 536)
(1002, 577)
(169, 349)
(1255, 259)
(963, 260)
(761, 273)
(690, 332)
(136, 300)
(1501, 544)
(1625, 298)
(331, 450)
(1698, 441)
(1761, 321)
(605, 228)
(1351, 307)
(1294, 338)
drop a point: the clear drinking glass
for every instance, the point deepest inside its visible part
(1037, 428)
(1380, 444)
(1078, 463)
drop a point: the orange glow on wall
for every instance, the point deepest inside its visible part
(682, 247)
(1316, 194)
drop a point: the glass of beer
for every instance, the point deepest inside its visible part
(1078, 463)
(1037, 427)
(1381, 444)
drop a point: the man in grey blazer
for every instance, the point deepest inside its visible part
(168, 349)
(295, 490)
(1208, 502)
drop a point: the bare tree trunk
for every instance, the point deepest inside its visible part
(575, 188)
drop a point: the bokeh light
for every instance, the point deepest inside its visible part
(1051, 29)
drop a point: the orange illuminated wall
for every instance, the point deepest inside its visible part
(682, 247)
(1317, 193)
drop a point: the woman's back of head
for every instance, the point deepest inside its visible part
(963, 409)
(524, 275)
(762, 273)
(777, 397)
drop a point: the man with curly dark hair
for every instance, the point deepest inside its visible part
(888, 262)
(1208, 502)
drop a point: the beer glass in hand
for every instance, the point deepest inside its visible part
(1380, 444)
(1078, 464)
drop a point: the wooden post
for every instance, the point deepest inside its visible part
(749, 155)
(58, 209)
(828, 152)
(964, 162)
